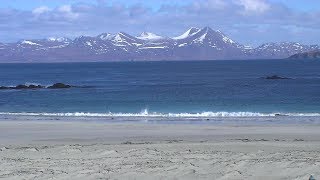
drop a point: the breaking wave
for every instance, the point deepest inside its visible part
(145, 113)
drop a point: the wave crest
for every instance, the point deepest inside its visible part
(145, 113)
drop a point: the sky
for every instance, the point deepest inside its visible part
(250, 22)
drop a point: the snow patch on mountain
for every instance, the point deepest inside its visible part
(106, 36)
(54, 47)
(228, 40)
(154, 47)
(246, 47)
(137, 44)
(118, 38)
(190, 32)
(183, 44)
(57, 39)
(200, 39)
(123, 39)
(149, 36)
(30, 43)
(88, 43)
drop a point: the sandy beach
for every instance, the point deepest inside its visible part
(94, 150)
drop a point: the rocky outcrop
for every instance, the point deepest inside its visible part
(32, 86)
(21, 86)
(59, 86)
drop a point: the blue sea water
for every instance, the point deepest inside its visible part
(191, 88)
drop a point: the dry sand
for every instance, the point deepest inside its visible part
(94, 150)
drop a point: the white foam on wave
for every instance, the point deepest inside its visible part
(145, 113)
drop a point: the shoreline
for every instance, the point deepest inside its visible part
(86, 149)
(210, 120)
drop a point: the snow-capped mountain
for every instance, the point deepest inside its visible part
(206, 37)
(193, 44)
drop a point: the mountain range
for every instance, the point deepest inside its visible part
(194, 44)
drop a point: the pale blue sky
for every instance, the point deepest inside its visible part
(248, 21)
(301, 5)
(30, 4)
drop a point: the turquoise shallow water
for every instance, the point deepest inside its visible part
(196, 88)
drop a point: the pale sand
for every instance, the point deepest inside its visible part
(95, 150)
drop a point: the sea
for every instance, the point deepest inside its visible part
(179, 89)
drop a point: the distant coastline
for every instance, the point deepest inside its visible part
(306, 55)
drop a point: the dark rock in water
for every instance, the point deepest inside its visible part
(32, 86)
(276, 77)
(20, 86)
(3, 87)
(35, 86)
(59, 86)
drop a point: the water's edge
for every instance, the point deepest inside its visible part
(226, 120)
